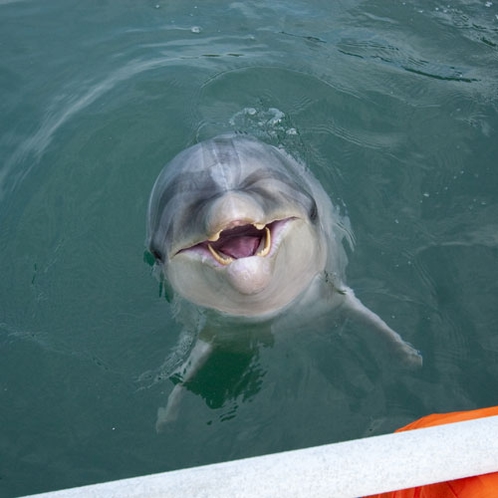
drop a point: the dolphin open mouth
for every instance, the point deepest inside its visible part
(241, 241)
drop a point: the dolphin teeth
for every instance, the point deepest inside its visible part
(259, 226)
(214, 237)
(223, 260)
(266, 249)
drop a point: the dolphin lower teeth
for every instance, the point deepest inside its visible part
(222, 259)
(266, 249)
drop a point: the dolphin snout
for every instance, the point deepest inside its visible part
(232, 210)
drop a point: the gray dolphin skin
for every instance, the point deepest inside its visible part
(240, 227)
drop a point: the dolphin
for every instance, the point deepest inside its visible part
(241, 228)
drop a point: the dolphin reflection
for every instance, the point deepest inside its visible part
(240, 227)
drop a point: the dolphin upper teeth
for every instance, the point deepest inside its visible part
(267, 246)
(226, 260)
(214, 237)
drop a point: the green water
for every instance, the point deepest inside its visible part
(392, 104)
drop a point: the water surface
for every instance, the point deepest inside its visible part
(393, 105)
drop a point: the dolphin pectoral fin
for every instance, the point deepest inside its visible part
(169, 413)
(198, 356)
(361, 314)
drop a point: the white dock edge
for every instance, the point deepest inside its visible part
(343, 470)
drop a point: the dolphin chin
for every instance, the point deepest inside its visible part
(242, 228)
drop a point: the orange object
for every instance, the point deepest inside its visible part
(483, 486)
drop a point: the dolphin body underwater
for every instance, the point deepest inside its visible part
(239, 227)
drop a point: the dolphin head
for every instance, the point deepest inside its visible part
(237, 225)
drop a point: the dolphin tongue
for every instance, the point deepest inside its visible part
(239, 242)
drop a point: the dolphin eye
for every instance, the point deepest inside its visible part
(157, 255)
(150, 258)
(313, 212)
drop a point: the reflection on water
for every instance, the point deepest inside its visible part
(232, 375)
(393, 107)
